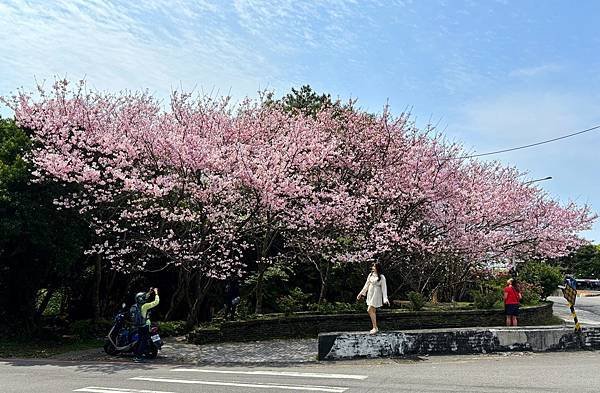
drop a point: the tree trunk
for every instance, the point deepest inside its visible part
(107, 303)
(324, 280)
(258, 309)
(190, 277)
(264, 249)
(201, 291)
(322, 292)
(96, 289)
(177, 297)
(64, 301)
(434, 296)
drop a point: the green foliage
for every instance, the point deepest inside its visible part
(345, 280)
(583, 263)
(245, 310)
(488, 297)
(14, 144)
(87, 328)
(305, 100)
(172, 328)
(295, 301)
(54, 305)
(39, 246)
(337, 307)
(417, 300)
(275, 283)
(531, 293)
(546, 277)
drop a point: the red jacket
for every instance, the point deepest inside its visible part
(511, 295)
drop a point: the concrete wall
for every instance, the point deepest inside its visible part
(338, 346)
(306, 325)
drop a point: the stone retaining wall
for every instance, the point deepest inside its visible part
(306, 325)
(339, 346)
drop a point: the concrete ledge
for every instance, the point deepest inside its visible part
(345, 345)
(310, 325)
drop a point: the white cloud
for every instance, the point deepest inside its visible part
(160, 44)
(117, 45)
(289, 26)
(528, 72)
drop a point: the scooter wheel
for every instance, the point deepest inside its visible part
(110, 349)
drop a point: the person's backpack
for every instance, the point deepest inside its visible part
(135, 313)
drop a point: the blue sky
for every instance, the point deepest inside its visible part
(493, 74)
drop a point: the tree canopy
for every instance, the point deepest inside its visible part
(213, 190)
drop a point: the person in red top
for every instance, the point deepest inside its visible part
(512, 298)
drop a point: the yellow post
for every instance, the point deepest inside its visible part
(570, 294)
(577, 325)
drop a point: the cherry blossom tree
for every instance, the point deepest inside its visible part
(198, 184)
(144, 180)
(420, 204)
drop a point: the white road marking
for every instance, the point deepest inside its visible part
(273, 373)
(97, 389)
(331, 389)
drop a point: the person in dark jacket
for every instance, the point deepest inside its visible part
(232, 297)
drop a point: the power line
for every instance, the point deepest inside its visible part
(534, 144)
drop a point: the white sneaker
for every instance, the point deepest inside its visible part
(373, 331)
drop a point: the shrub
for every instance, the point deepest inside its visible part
(546, 277)
(337, 307)
(486, 298)
(531, 293)
(276, 283)
(295, 301)
(245, 309)
(417, 301)
(54, 305)
(86, 328)
(172, 328)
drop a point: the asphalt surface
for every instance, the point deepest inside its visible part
(586, 308)
(516, 372)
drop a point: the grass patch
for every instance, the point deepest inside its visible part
(448, 306)
(553, 320)
(23, 348)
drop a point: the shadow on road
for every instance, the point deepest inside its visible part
(88, 366)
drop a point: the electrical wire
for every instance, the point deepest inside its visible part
(533, 144)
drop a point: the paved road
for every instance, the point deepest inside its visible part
(587, 309)
(519, 372)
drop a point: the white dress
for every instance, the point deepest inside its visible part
(376, 291)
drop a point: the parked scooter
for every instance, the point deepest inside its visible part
(123, 337)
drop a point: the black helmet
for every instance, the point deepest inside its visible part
(141, 297)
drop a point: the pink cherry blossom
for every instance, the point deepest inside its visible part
(195, 184)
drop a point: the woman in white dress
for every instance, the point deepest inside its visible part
(376, 291)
